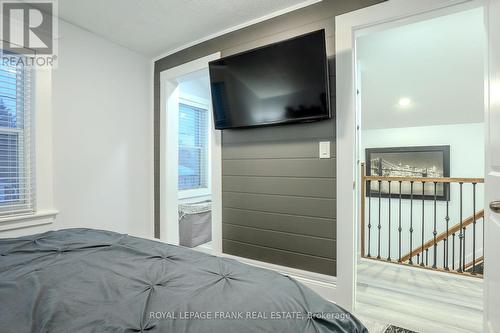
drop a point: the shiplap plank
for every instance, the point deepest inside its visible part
(318, 168)
(308, 187)
(302, 225)
(282, 149)
(314, 207)
(315, 131)
(320, 247)
(280, 257)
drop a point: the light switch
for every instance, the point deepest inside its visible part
(324, 149)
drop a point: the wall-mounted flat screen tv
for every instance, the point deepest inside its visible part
(285, 82)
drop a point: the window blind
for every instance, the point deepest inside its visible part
(17, 194)
(193, 147)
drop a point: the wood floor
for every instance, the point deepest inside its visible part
(419, 300)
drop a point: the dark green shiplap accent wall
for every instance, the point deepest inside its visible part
(279, 198)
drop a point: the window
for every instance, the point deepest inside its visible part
(193, 147)
(16, 178)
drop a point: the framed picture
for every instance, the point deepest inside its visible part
(419, 162)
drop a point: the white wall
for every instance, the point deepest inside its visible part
(466, 160)
(438, 63)
(466, 143)
(103, 135)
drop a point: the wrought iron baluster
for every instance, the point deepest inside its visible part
(453, 253)
(389, 229)
(418, 258)
(463, 250)
(411, 221)
(379, 215)
(400, 229)
(460, 234)
(426, 257)
(447, 251)
(369, 216)
(434, 232)
(474, 228)
(445, 241)
(423, 223)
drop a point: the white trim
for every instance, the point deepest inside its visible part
(238, 27)
(215, 152)
(492, 116)
(25, 221)
(152, 145)
(194, 193)
(347, 119)
(169, 111)
(42, 121)
(324, 285)
(328, 279)
(169, 194)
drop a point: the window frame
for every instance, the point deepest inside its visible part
(45, 212)
(25, 153)
(203, 104)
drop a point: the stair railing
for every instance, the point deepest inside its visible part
(381, 201)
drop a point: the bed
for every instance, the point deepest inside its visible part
(85, 280)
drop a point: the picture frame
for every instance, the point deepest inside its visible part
(419, 162)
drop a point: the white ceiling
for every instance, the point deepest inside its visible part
(436, 63)
(155, 27)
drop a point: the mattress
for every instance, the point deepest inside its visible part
(84, 280)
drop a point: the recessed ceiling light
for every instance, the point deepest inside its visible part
(404, 102)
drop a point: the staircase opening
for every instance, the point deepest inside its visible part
(421, 143)
(458, 248)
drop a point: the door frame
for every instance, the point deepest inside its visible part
(169, 109)
(348, 120)
(492, 172)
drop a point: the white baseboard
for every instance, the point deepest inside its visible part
(324, 285)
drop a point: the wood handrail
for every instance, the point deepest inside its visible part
(454, 229)
(424, 179)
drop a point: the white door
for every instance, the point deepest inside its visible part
(492, 225)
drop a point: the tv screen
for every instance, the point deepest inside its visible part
(280, 83)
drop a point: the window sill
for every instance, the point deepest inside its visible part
(24, 221)
(191, 194)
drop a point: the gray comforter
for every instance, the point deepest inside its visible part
(83, 280)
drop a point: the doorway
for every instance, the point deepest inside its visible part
(421, 144)
(347, 168)
(190, 158)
